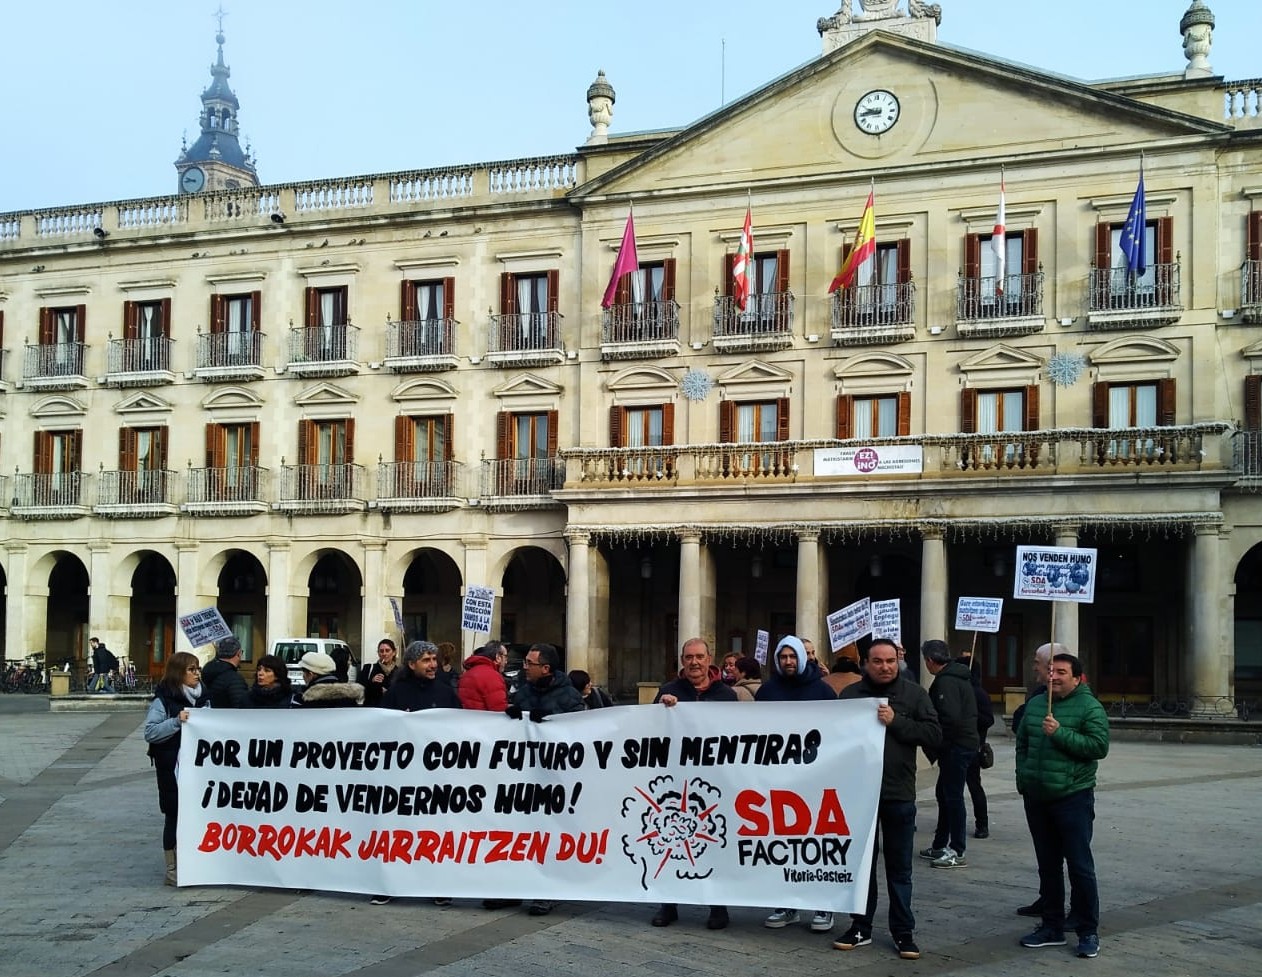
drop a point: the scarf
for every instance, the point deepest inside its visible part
(192, 693)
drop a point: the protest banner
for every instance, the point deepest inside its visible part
(978, 614)
(849, 624)
(887, 620)
(475, 612)
(638, 803)
(762, 641)
(1055, 573)
(204, 627)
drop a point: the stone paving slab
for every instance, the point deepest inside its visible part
(1177, 834)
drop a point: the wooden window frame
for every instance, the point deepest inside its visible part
(845, 414)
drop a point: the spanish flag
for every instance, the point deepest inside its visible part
(864, 249)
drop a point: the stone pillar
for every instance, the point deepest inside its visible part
(281, 611)
(376, 620)
(112, 629)
(1065, 612)
(578, 605)
(933, 595)
(689, 586)
(1208, 657)
(809, 618)
(187, 597)
(475, 574)
(19, 612)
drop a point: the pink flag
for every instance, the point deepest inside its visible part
(998, 242)
(627, 261)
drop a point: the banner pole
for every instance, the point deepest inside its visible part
(1049, 659)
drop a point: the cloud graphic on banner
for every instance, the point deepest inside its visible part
(677, 828)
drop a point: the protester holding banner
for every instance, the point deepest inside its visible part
(910, 723)
(323, 690)
(1059, 746)
(699, 681)
(181, 689)
(224, 684)
(377, 676)
(1040, 668)
(271, 688)
(419, 685)
(952, 696)
(594, 697)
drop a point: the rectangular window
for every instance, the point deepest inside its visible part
(997, 412)
(146, 326)
(644, 427)
(527, 447)
(326, 451)
(876, 416)
(142, 459)
(881, 293)
(1116, 286)
(422, 450)
(324, 338)
(985, 293)
(1139, 404)
(769, 308)
(528, 308)
(755, 422)
(232, 457)
(61, 333)
(426, 314)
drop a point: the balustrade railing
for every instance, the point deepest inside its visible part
(531, 175)
(524, 332)
(323, 344)
(640, 322)
(334, 195)
(53, 360)
(768, 314)
(41, 491)
(134, 488)
(152, 354)
(1251, 284)
(68, 222)
(420, 338)
(417, 479)
(431, 185)
(227, 486)
(522, 476)
(1242, 99)
(1016, 296)
(321, 483)
(154, 212)
(1113, 289)
(217, 350)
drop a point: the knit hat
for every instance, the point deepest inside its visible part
(318, 663)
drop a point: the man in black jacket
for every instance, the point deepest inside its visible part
(956, 705)
(985, 719)
(910, 722)
(418, 686)
(224, 684)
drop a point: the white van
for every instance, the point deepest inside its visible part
(291, 650)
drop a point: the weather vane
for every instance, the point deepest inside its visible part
(220, 14)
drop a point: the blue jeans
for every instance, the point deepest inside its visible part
(896, 826)
(952, 815)
(101, 682)
(1061, 830)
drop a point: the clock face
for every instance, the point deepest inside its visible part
(192, 180)
(876, 112)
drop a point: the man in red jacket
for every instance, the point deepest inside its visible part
(482, 685)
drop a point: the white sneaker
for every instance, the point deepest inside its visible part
(780, 919)
(821, 922)
(950, 859)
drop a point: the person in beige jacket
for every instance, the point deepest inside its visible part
(749, 679)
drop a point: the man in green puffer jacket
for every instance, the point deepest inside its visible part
(1057, 755)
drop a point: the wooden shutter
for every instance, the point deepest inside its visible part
(129, 320)
(218, 318)
(622, 294)
(1100, 405)
(845, 416)
(782, 271)
(407, 301)
(782, 419)
(727, 421)
(448, 442)
(43, 453)
(1253, 236)
(553, 417)
(1, 328)
(256, 310)
(554, 286)
(1165, 402)
(903, 295)
(668, 423)
(1031, 420)
(164, 310)
(47, 332)
(127, 461)
(968, 410)
(253, 428)
(1165, 258)
(215, 449)
(404, 439)
(668, 280)
(348, 428)
(508, 293)
(1103, 245)
(80, 322)
(503, 435)
(311, 311)
(1030, 251)
(76, 450)
(729, 266)
(308, 445)
(160, 443)
(617, 426)
(449, 298)
(904, 413)
(972, 257)
(1253, 402)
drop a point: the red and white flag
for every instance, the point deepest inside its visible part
(628, 261)
(740, 265)
(998, 242)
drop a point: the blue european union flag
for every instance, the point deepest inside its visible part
(1134, 240)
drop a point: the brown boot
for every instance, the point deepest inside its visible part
(169, 878)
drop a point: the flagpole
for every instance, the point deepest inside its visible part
(1051, 655)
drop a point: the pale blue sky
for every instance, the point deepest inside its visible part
(96, 96)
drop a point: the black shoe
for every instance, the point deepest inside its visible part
(665, 915)
(540, 907)
(500, 903)
(718, 918)
(906, 947)
(852, 939)
(1034, 909)
(981, 832)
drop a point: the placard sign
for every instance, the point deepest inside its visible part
(761, 642)
(204, 627)
(475, 612)
(887, 620)
(978, 614)
(849, 624)
(398, 614)
(1055, 573)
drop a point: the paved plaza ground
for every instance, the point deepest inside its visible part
(1178, 840)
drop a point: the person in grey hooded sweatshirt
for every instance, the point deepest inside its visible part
(795, 678)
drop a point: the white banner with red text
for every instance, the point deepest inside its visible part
(771, 804)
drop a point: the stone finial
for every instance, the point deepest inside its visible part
(921, 21)
(1197, 28)
(600, 99)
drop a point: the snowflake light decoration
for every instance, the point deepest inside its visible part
(1064, 369)
(696, 385)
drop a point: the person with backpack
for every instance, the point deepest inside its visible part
(104, 665)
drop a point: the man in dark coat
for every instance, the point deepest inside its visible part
(985, 719)
(224, 684)
(323, 689)
(419, 687)
(103, 665)
(956, 705)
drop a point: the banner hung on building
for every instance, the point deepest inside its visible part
(715, 803)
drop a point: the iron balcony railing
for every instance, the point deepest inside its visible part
(522, 476)
(982, 298)
(406, 480)
(321, 483)
(525, 332)
(314, 345)
(224, 350)
(47, 490)
(640, 322)
(766, 314)
(1251, 289)
(1117, 289)
(1246, 454)
(53, 360)
(874, 306)
(135, 488)
(421, 338)
(226, 486)
(152, 354)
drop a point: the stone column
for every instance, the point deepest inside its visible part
(578, 604)
(475, 575)
(933, 595)
(19, 615)
(100, 622)
(1065, 612)
(1208, 657)
(375, 608)
(689, 586)
(809, 618)
(187, 597)
(281, 612)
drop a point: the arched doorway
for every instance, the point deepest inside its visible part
(151, 630)
(66, 621)
(1248, 626)
(533, 608)
(431, 598)
(243, 602)
(334, 604)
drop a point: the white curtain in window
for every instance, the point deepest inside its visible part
(1146, 282)
(1120, 407)
(1146, 405)
(861, 418)
(746, 415)
(987, 413)
(767, 267)
(65, 327)
(429, 301)
(887, 417)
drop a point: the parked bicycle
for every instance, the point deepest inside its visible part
(28, 675)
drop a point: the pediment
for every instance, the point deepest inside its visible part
(59, 406)
(755, 371)
(424, 388)
(874, 363)
(230, 398)
(1252, 351)
(324, 394)
(642, 378)
(527, 385)
(1001, 357)
(1135, 349)
(955, 106)
(143, 403)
